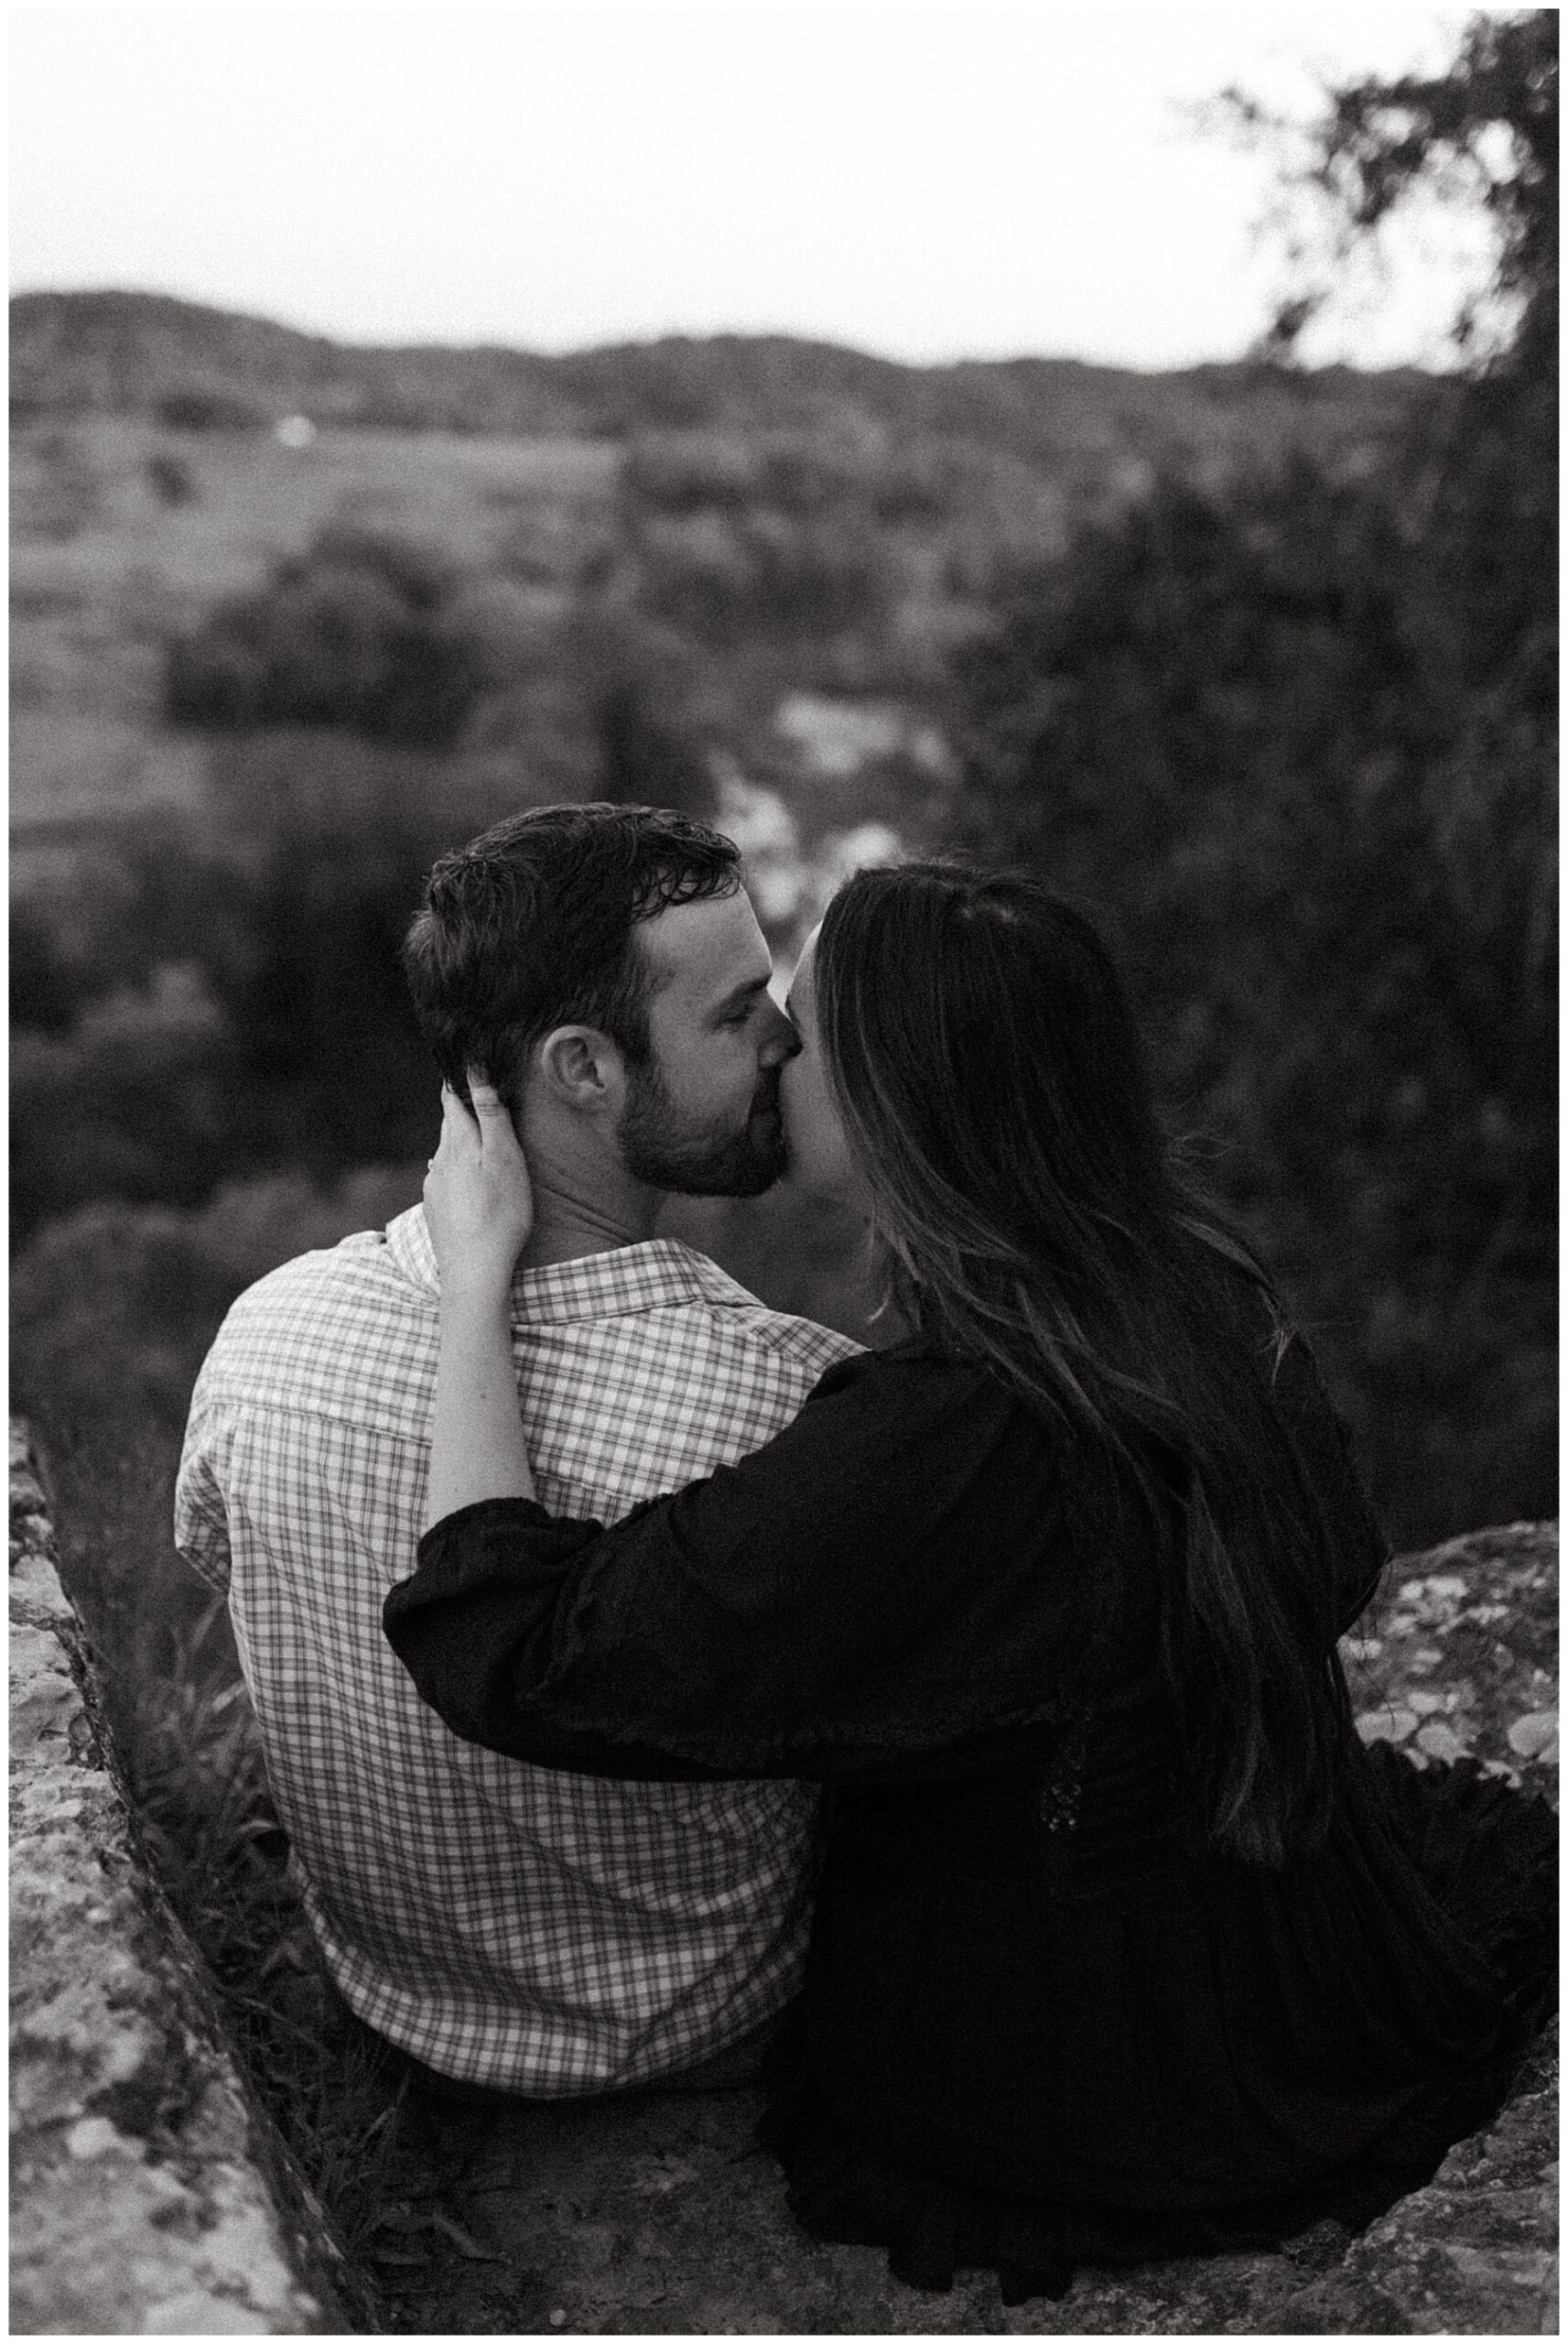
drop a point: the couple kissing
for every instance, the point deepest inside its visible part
(916, 1681)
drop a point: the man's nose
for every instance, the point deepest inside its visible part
(780, 1040)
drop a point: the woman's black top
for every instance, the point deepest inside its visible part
(1041, 2020)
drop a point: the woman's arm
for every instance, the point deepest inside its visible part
(479, 1207)
(885, 1576)
(475, 1624)
(476, 1448)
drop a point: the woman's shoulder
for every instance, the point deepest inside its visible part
(916, 1372)
(917, 1424)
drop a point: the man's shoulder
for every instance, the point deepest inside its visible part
(304, 1336)
(654, 1369)
(733, 1317)
(360, 1274)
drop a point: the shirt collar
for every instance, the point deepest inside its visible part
(659, 1274)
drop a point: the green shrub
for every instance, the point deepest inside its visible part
(286, 1036)
(210, 407)
(686, 471)
(133, 1098)
(119, 1302)
(762, 575)
(355, 632)
(171, 479)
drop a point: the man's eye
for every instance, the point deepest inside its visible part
(741, 1017)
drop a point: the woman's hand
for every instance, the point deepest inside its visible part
(479, 1207)
(479, 1200)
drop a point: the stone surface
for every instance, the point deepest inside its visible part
(144, 2192)
(1472, 2253)
(1458, 1656)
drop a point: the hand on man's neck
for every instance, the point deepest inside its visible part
(585, 1200)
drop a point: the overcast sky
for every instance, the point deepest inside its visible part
(971, 178)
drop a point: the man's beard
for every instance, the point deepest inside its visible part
(667, 1150)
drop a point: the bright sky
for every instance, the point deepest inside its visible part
(968, 179)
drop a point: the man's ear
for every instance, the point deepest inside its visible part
(582, 1069)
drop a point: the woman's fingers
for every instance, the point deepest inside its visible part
(486, 1102)
(495, 1126)
(457, 1124)
(477, 1198)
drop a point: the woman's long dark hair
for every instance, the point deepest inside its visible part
(993, 1085)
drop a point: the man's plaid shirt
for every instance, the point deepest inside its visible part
(548, 1933)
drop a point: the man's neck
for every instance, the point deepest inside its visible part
(808, 1257)
(568, 1223)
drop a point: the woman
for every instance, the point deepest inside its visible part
(1123, 1946)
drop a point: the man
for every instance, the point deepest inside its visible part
(508, 1925)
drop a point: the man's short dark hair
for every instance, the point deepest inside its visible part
(531, 927)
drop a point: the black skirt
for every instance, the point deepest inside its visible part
(1441, 1880)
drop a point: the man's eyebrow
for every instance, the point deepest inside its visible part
(737, 993)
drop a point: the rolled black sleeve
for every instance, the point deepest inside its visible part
(473, 1625)
(877, 1579)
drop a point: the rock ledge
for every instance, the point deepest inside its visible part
(148, 2198)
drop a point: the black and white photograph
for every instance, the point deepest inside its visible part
(784, 1113)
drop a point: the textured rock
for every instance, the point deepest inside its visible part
(1458, 1656)
(1472, 2253)
(143, 2198)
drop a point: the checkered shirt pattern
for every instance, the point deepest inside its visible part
(548, 1933)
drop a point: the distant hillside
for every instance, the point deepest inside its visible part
(141, 353)
(762, 547)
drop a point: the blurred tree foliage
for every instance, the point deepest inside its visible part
(210, 407)
(357, 632)
(1293, 739)
(114, 1306)
(245, 1005)
(221, 995)
(777, 537)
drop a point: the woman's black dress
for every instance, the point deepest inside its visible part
(1040, 2022)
